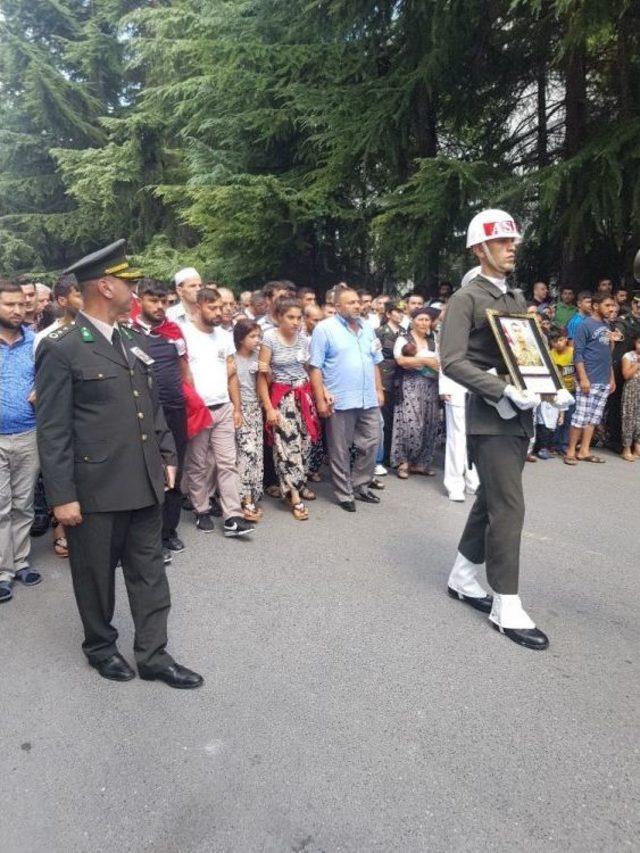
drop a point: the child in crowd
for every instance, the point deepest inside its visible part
(249, 427)
(631, 402)
(292, 420)
(562, 356)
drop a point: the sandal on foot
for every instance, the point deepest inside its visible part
(403, 471)
(314, 477)
(628, 456)
(273, 491)
(28, 577)
(570, 460)
(6, 593)
(597, 460)
(307, 494)
(422, 472)
(60, 547)
(299, 511)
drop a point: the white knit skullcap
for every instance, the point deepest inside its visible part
(185, 274)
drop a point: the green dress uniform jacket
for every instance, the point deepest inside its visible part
(468, 349)
(102, 436)
(103, 442)
(498, 447)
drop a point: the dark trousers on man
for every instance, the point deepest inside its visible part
(493, 531)
(177, 422)
(95, 547)
(359, 428)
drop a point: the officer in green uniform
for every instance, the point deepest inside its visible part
(499, 427)
(107, 457)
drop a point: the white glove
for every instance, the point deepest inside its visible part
(563, 400)
(524, 400)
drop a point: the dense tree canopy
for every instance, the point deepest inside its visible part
(320, 139)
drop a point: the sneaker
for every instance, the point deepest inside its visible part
(543, 453)
(237, 526)
(380, 471)
(456, 496)
(204, 522)
(167, 556)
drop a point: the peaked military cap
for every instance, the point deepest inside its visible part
(111, 260)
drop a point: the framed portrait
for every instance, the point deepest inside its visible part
(526, 354)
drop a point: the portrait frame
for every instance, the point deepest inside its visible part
(526, 353)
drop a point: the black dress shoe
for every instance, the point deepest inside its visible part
(114, 668)
(348, 506)
(530, 638)
(174, 675)
(484, 604)
(174, 544)
(367, 497)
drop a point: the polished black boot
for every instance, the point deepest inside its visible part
(530, 638)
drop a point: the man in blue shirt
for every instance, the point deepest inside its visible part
(18, 450)
(346, 381)
(594, 378)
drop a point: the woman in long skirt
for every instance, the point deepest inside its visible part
(292, 421)
(415, 418)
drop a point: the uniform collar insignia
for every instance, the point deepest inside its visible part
(125, 331)
(87, 335)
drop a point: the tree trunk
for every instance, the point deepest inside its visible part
(573, 264)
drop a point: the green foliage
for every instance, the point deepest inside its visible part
(319, 140)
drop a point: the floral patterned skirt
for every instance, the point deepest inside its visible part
(249, 443)
(291, 447)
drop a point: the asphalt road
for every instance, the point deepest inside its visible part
(349, 704)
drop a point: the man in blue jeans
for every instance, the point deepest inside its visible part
(19, 464)
(346, 382)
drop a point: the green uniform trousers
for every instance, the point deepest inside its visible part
(95, 547)
(494, 528)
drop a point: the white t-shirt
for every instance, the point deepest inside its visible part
(208, 353)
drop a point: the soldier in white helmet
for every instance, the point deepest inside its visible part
(499, 427)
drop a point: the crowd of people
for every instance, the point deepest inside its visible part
(254, 389)
(259, 391)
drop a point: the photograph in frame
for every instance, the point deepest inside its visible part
(526, 354)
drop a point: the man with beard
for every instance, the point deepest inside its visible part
(107, 457)
(211, 454)
(166, 346)
(18, 449)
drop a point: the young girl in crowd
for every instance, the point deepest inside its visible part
(246, 337)
(415, 418)
(631, 402)
(292, 421)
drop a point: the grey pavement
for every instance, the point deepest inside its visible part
(349, 704)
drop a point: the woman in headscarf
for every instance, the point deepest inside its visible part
(415, 420)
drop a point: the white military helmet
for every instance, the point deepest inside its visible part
(491, 225)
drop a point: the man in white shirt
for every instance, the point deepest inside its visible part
(187, 282)
(211, 454)
(68, 298)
